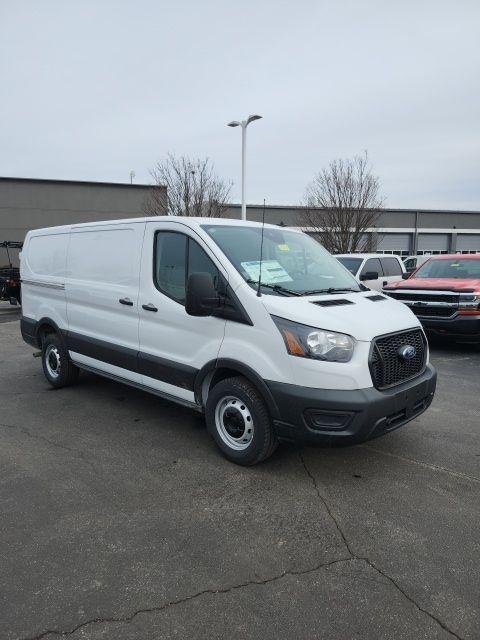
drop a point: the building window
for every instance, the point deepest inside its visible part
(395, 252)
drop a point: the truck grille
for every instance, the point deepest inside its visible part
(409, 295)
(387, 367)
(433, 312)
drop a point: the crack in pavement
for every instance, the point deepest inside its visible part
(370, 563)
(352, 556)
(426, 465)
(173, 603)
(76, 452)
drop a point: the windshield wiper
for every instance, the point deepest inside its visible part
(276, 287)
(329, 290)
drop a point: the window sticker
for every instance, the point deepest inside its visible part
(272, 271)
(283, 247)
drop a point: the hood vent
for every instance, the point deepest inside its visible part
(333, 303)
(376, 298)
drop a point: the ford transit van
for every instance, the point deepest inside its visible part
(258, 327)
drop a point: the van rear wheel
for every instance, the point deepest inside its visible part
(239, 421)
(59, 370)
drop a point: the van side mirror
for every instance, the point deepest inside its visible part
(405, 276)
(201, 297)
(369, 275)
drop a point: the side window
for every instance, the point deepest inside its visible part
(175, 257)
(170, 254)
(410, 263)
(372, 264)
(391, 267)
(199, 262)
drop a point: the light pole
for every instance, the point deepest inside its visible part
(244, 124)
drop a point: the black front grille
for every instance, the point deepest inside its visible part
(424, 297)
(388, 367)
(434, 312)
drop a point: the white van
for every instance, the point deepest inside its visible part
(172, 305)
(375, 270)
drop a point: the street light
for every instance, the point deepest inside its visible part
(244, 124)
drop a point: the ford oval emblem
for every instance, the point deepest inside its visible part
(407, 352)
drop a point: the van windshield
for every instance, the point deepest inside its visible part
(292, 263)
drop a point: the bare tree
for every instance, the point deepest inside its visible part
(193, 188)
(341, 203)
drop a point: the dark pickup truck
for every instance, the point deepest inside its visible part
(10, 288)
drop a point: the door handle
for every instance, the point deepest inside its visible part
(149, 307)
(126, 301)
(385, 282)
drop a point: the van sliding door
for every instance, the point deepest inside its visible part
(103, 264)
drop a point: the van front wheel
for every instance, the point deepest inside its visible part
(59, 370)
(239, 421)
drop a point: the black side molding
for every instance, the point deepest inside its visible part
(101, 350)
(28, 328)
(174, 373)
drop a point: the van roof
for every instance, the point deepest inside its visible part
(188, 220)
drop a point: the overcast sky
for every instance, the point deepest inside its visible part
(91, 89)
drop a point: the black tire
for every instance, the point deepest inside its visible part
(57, 366)
(236, 400)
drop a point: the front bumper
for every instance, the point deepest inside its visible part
(328, 416)
(466, 328)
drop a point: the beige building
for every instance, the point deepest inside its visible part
(31, 204)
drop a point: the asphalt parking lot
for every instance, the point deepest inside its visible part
(120, 520)
(8, 312)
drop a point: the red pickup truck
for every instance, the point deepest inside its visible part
(444, 293)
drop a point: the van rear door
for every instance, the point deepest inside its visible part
(103, 266)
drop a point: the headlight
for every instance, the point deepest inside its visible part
(469, 305)
(308, 342)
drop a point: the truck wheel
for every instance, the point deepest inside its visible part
(57, 366)
(239, 421)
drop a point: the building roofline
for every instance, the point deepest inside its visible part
(78, 182)
(282, 207)
(388, 209)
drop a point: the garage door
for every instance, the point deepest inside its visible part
(433, 242)
(393, 242)
(468, 242)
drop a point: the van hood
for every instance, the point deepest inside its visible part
(445, 284)
(361, 318)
